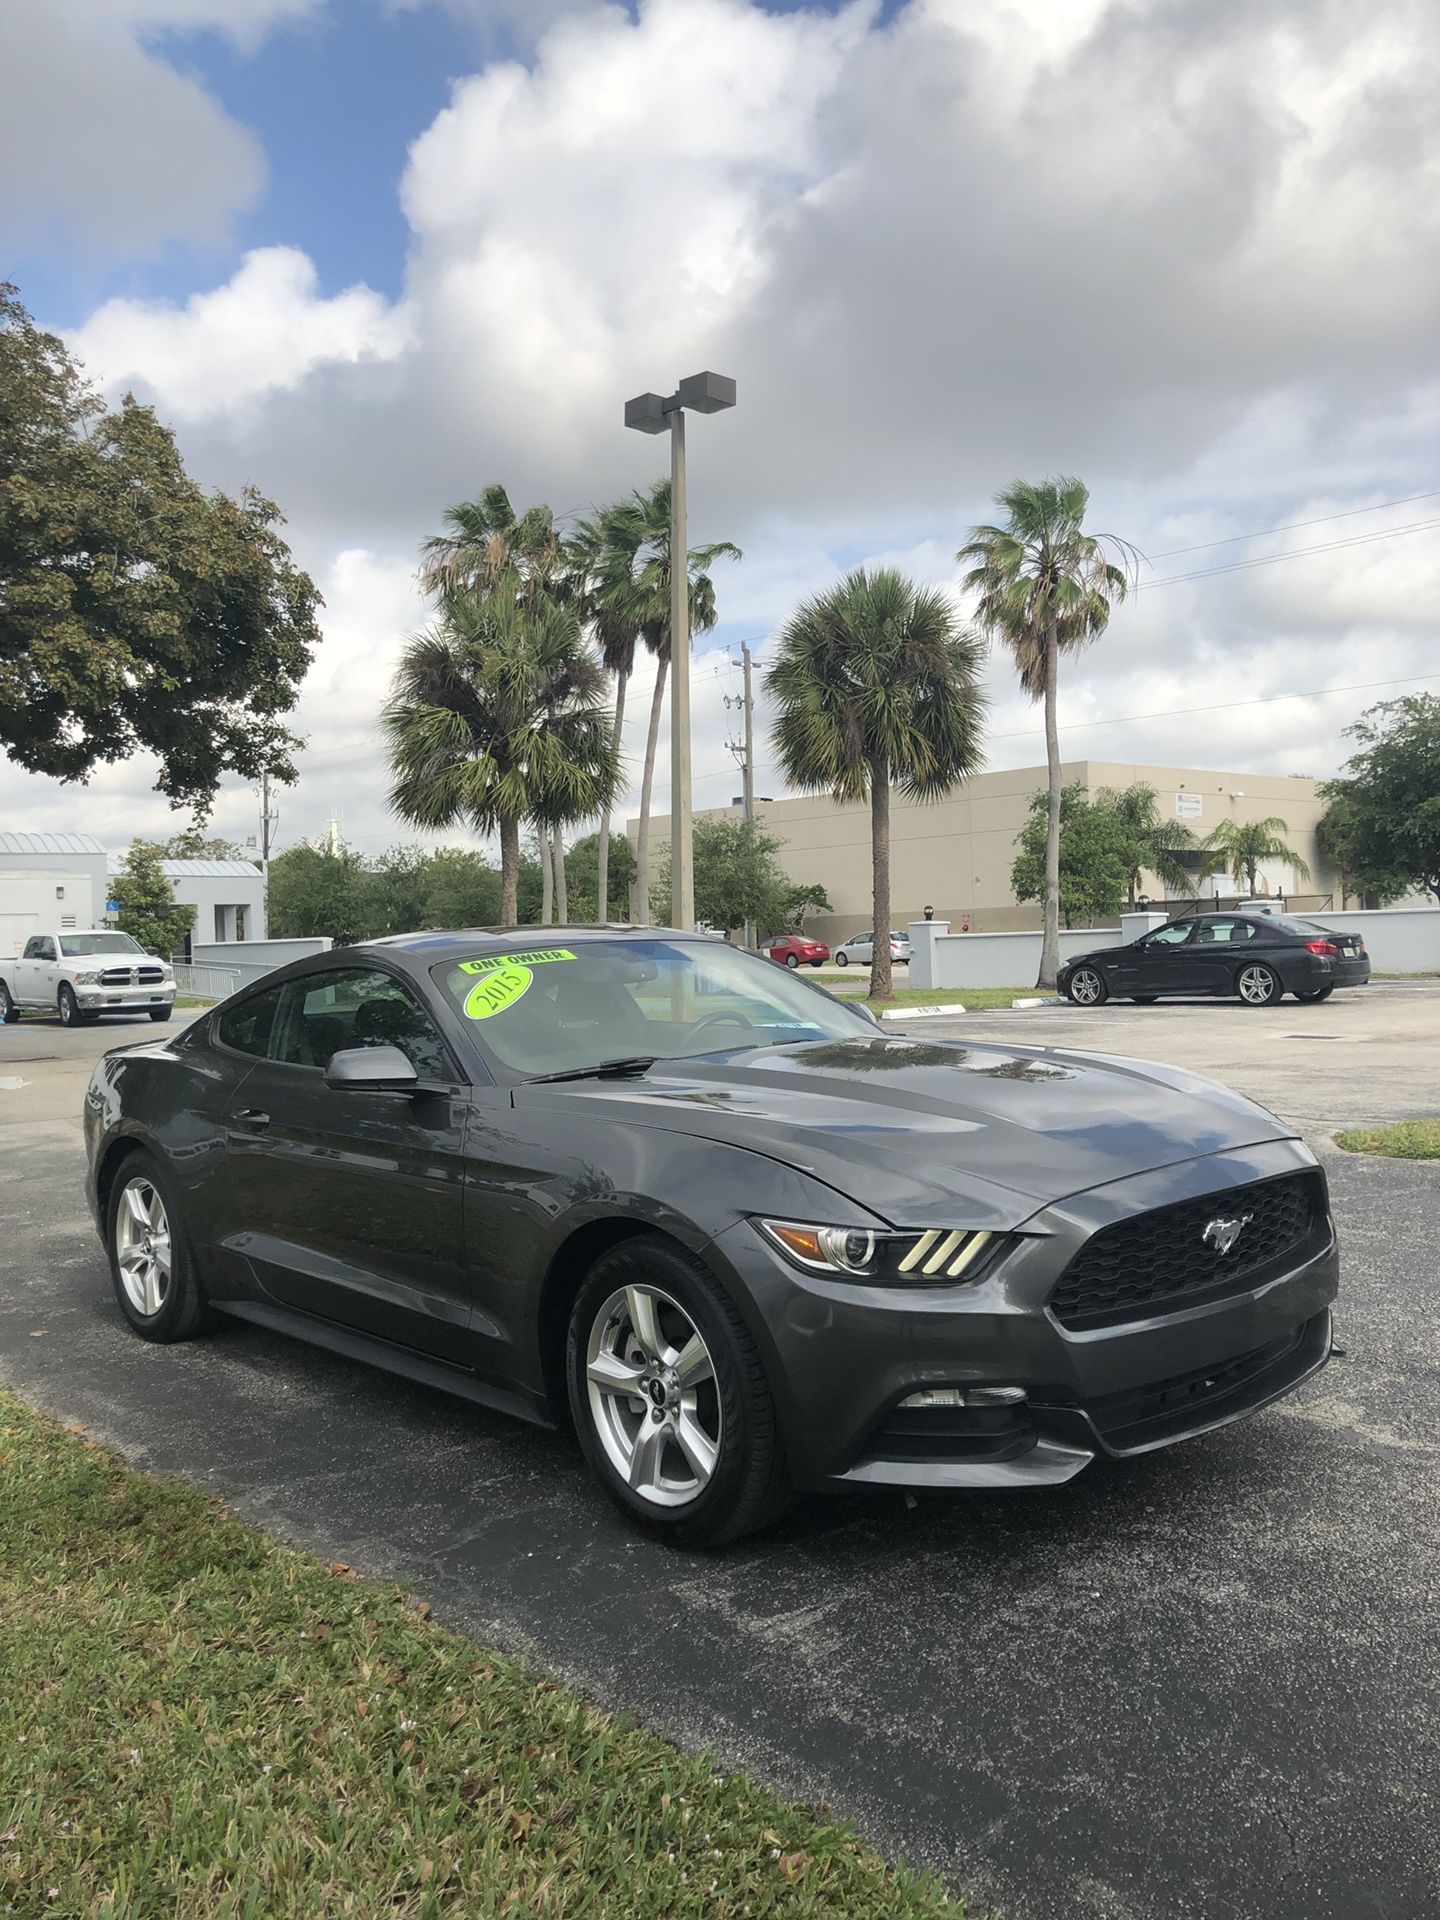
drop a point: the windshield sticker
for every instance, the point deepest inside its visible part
(497, 990)
(516, 960)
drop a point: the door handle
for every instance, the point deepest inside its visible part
(253, 1120)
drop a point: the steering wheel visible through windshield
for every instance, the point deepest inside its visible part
(551, 1009)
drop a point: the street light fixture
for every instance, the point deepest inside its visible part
(653, 413)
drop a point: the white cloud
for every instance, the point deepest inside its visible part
(109, 144)
(262, 332)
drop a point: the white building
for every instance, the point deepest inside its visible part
(49, 881)
(228, 897)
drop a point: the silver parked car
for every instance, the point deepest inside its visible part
(861, 949)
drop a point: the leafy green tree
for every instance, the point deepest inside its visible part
(623, 558)
(397, 890)
(461, 889)
(1096, 848)
(876, 684)
(316, 890)
(194, 845)
(1043, 587)
(1385, 808)
(1156, 841)
(584, 870)
(497, 715)
(1240, 846)
(138, 613)
(147, 909)
(738, 878)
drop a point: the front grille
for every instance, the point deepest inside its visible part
(150, 976)
(1140, 1415)
(1161, 1261)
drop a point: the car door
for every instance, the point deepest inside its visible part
(353, 1198)
(1223, 942)
(1161, 962)
(38, 987)
(862, 948)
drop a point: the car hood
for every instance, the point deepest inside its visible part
(913, 1127)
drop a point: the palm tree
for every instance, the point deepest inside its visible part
(1045, 587)
(626, 557)
(1240, 846)
(877, 685)
(485, 539)
(1156, 840)
(497, 714)
(590, 555)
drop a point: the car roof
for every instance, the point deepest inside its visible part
(437, 944)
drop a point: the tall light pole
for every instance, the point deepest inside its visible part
(653, 413)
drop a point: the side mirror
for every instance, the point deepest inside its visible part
(378, 1069)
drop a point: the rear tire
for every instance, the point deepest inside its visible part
(725, 1411)
(1144, 999)
(9, 1012)
(1320, 993)
(1258, 985)
(1086, 988)
(817, 963)
(792, 961)
(151, 1266)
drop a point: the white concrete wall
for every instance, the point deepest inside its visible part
(939, 958)
(32, 901)
(1398, 939)
(253, 959)
(206, 892)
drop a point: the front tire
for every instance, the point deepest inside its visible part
(151, 1266)
(9, 1012)
(670, 1400)
(68, 1007)
(159, 1013)
(1320, 993)
(842, 959)
(1258, 985)
(1086, 988)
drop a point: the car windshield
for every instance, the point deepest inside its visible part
(554, 1009)
(73, 945)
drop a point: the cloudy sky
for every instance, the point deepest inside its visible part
(372, 254)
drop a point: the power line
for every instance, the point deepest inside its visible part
(1296, 553)
(1294, 526)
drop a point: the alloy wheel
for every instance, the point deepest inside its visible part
(1086, 987)
(653, 1396)
(1257, 986)
(142, 1245)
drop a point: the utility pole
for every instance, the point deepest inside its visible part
(747, 757)
(268, 817)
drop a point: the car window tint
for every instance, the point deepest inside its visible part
(248, 1024)
(32, 949)
(1225, 932)
(326, 1013)
(1170, 936)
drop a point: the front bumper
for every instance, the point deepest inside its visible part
(842, 1357)
(124, 999)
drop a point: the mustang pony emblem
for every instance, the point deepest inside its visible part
(1222, 1234)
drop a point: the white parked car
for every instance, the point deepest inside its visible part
(82, 975)
(861, 949)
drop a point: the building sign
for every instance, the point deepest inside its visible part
(1188, 806)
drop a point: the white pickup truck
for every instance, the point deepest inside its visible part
(82, 975)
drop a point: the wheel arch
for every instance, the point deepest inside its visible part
(116, 1152)
(565, 1275)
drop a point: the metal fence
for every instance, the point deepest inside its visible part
(207, 983)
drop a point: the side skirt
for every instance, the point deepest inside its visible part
(394, 1359)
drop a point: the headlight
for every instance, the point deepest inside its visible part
(85, 979)
(939, 1256)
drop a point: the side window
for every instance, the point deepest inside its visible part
(1231, 931)
(357, 1007)
(32, 947)
(46, 948)
(1170, 936)
(247, 1027)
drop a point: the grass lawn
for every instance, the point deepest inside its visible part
(972, 999)
(195, 1721)
(1409, 1140)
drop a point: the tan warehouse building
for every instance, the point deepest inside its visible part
(956, 854)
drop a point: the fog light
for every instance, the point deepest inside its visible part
(965, 1397)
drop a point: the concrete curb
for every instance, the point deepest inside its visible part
(919, 1013)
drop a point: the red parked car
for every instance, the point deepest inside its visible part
(794, 950)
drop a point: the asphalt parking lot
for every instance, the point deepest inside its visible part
(1206, 1684)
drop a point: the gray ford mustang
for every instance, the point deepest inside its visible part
(743, 1240)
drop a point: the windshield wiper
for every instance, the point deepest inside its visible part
(604, 1070)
